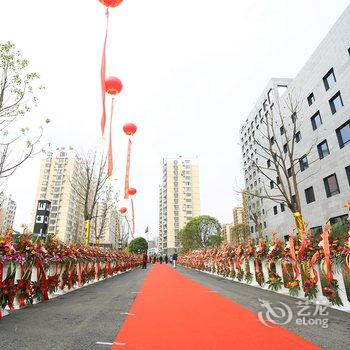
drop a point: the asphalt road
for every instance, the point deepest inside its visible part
(80, 319)
(336, 336)
(73, 321)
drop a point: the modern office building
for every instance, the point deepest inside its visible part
(322, 138)
(7, 212)
(60, 173)
(179, 200)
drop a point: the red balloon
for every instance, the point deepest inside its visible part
(123, 210)
(111, 3)
(132, 191)
(130, 128)
(113, 85)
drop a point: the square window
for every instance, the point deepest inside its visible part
(311, 99)
(343, 134)
(336, 102)
(347, 170)
(309, 195)
(275, 211)
(282, 207)
(331, 185)
(297, 137)
(329, 79)
(316, 121)
(323, 149)
(303, 163)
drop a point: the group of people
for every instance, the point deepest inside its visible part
(152, 259)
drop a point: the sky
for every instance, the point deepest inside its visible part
(192, 71)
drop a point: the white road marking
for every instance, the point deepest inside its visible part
(104, 343)
(136, 292)
(127, 313)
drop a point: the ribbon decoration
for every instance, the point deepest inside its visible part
(292, 253)
(103, 77)
(314, 259)
(110, 146)
(127, 171)
(79, 274)
(133, 217)
(327, 254)
(42, 275)
(1, 272)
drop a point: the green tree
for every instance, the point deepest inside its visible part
(138, 245)
(18, 95)
(240, 232)
(214, 241)
(197, 231)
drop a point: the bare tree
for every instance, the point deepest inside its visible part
(280, 164)
(89, 187)
(18, 89)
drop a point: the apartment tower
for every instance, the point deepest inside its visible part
(179, 200)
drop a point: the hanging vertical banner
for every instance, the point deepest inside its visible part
(127, 171)
(133, 217)
(103, 78)
(110, 146)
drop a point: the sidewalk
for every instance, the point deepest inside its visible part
(172, 312)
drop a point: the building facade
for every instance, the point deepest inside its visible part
(238, 216)
(60, 173)
(179, 200)
(7, 212)
(321, 91)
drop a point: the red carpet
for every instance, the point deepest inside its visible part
(173, 312)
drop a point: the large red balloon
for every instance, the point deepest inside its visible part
(111, 3)
(123, 210)
(132, 191)
(113, 85)
(130, 128)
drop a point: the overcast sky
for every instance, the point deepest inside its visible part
(192, 71)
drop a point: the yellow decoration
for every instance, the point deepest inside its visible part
(87, 229)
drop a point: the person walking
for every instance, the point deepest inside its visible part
(166, 259)
(144, 260)
(174, 260)
(161, 259)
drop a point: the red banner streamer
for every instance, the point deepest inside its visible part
(327, 254)
(103, 78)
(127, 171)
(314, 260)
(110, 147)
(133, 217)
(292, 253)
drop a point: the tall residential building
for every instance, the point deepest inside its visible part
(60, 173)
(321, 138)
(179, 200)
(7, 212)
(106, 225)
(238, 215)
